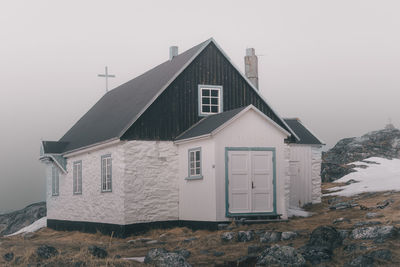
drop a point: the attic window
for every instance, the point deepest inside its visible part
(210, 99)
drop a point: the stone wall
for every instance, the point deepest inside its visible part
(316, 174)
(151, 181)
(92, 205)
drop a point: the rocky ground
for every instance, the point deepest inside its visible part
(362, 230)
(383, 143)
(13, 221)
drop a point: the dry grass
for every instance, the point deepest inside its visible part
(73, 246)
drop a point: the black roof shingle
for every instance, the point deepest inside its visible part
(306, 137)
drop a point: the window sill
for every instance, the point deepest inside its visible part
(77, 193)
(106, 191)
(198, 177)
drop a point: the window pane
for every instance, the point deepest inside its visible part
(191, 171)
(191, 156)
(214, 92)
(205, 92)
(191, 165)
(206, 108)
(197, 155)
(214, 101)
(197, 171)
(214, 109)
(197, 164)
(206, 100)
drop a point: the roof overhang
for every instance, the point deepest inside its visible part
(230, 121)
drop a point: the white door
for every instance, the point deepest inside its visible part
(250, 176)
(295, 183)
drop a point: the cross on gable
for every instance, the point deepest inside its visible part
(106, 75)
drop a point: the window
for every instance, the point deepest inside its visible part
(77, 177)
(106, 173)
(210, 99)
(54, 181)
(194, 164)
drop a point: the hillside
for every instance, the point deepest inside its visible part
(361, 228)
(14, 221)
(336, 162)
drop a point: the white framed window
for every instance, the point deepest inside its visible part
(77, 177)
(54, 181)
(106, 173)
(210, 99)
(194, 164)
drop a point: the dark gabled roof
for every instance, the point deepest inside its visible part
(209, 124)
(117, 109)
(51, 147)
(306, 137)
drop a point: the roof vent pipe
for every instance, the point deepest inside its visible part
(251, 66)
(173, 52)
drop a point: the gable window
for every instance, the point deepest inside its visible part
(77, 177)
(106, 173)
(210, 99)
(194, 162)
(54, 181)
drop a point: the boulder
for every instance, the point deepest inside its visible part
(162, 258)
(153, 253)
(46, 252)
(372, 215)
(361, 261)
(245, 236)
(316, 254)
(374, 232)
(281, 256)
(97, 252)
(341, 220)
(270, 237)
(218, 253)
(367, 223)
(288, 235)
(385, 203)
(8, 256)
(228, 236)
(381, 254)
(183, 252)
(325, 236)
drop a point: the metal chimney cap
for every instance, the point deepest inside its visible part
(250, 52)
(173, 52)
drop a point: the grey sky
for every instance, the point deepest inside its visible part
(334, 64)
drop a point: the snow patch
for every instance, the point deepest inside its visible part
(384, 176)
(138, 259)
(39, 224)
(298, 212)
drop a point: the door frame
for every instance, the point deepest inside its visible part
(227, 149)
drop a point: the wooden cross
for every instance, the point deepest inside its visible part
(106, 75)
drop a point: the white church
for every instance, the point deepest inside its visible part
(191, 142)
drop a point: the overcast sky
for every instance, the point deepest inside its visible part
(335, 64)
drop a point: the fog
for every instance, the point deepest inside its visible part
(334, 64)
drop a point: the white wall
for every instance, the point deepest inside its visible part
(251, 130)
(92, 205)
(307, 187)
(151, 181)
(197, 199)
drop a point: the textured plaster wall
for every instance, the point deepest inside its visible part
(92, 205)
(151, 181)
(316, 174)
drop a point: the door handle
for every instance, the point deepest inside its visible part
(252, 185)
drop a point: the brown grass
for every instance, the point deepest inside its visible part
(72, 246)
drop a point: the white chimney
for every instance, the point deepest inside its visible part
(251, 66)
(173, 52)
